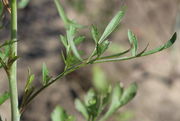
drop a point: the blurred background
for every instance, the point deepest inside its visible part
(158, 76)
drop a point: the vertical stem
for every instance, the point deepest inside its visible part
(12, 71)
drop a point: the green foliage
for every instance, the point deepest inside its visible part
(74, 59)
(103, 102)
(98, 106)
(99, 103)
(4, 97)
(60, 115)
(29, 89)
(101, 42)
(140, 54)
(70, 37)
(29, 81)
(45, 75)
(95, 34)
(128, 94)
(133, 41)
(102, 47)
(81, 108)
(112, 25)
(7, 59)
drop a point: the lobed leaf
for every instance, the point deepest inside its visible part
(112, 25)
(45, 74)
(81, 108)
(70, 37)
(133, 41)
(102, 47)
(89, 98)
(128, 94)
(95, 33)
(116, 95)
(59, 114)
(29, 80)
(64, 41)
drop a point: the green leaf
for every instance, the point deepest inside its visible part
(102, 47)
(81, 108)
(63, 41)
(45, 74)
(100, 81)
(70, 37)
(112, 25)
(23, 3)
(116, 95)
(29, 80)
(165, 46)
(129, 94)
(79, 40)
(92, 101)
(27, 95)
(143, 53)
(59, 114)
(95, 33)
(133, 41)
(90, 98)
(115, 104)
(6, 49)
(4, 97)
(71, 60)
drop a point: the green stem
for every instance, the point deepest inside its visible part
(12, 70)
(62, 13)
(24, 106)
